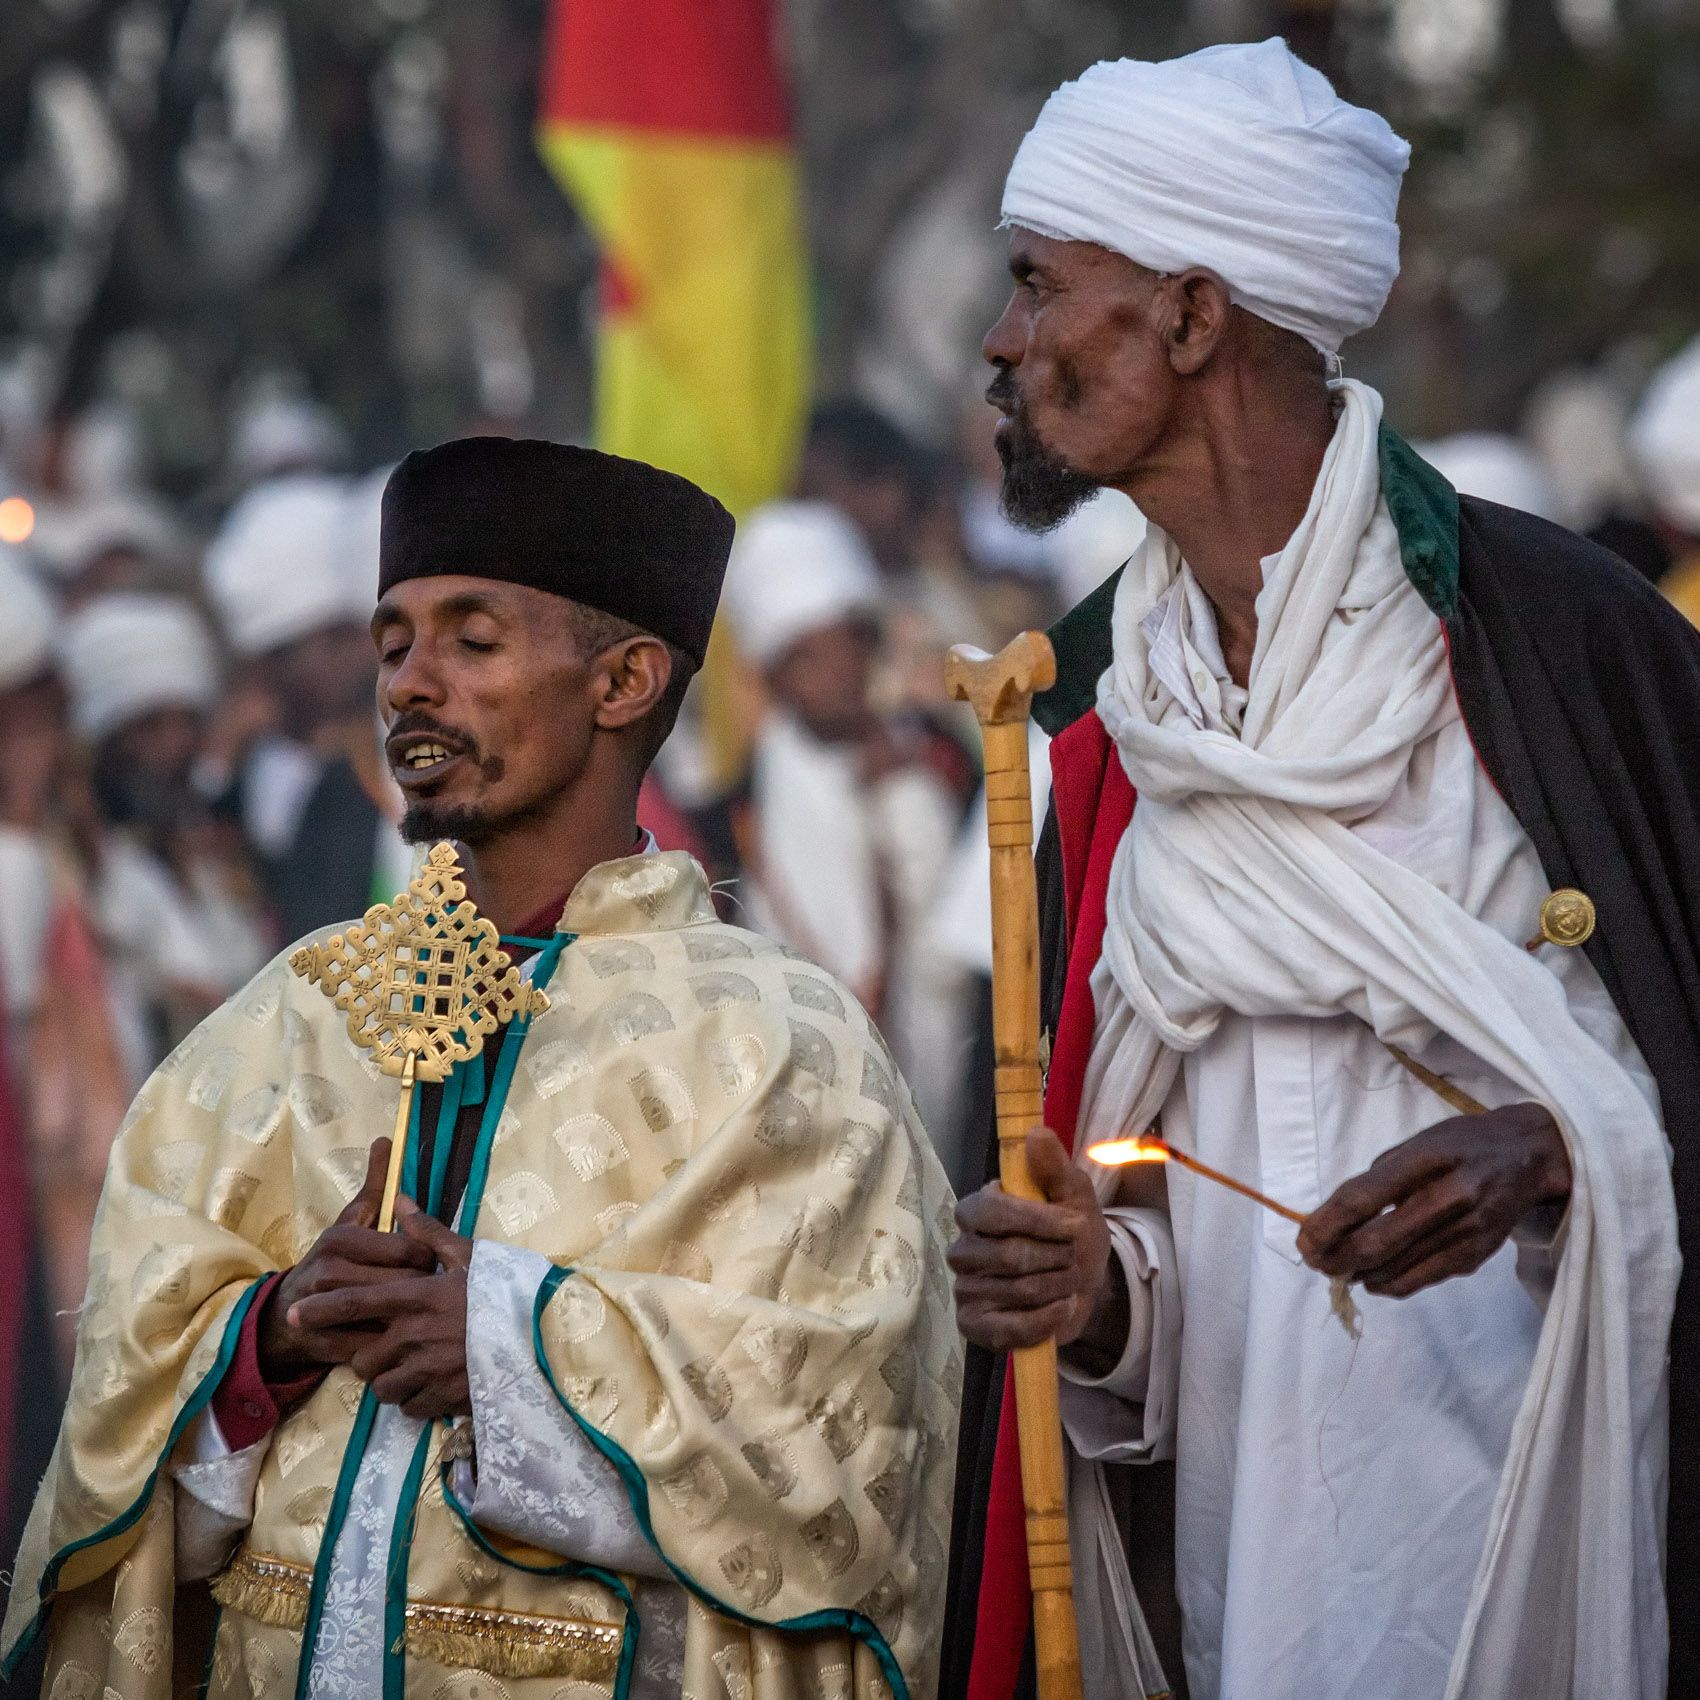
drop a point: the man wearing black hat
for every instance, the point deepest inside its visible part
(653, 1392)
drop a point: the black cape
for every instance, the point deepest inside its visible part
(1580, 687)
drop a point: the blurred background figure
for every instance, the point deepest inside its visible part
(176, 904)
(297, 754)
(69, 1078)
(1664, 438)
(1498, 468)
(845, 823)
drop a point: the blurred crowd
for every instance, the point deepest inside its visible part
(191, 775)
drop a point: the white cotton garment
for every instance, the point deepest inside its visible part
(1240, 158)
(1250, 883)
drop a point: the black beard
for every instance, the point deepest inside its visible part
(1039, 491)
(426, 822)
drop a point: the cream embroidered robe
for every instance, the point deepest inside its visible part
(746, 1311)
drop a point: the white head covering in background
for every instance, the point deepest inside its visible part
(1577, 421)
(70, 539)
(1239, 158)
(1497, 468)
(279, 568)
(26, 624)
(1664, 439)
(127, 654)
(277, 434)
(796, 568)
(362, 528)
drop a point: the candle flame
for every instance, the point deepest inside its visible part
(1114, 1153)
(17, 520)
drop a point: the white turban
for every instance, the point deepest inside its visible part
(277, 434)
(1664, 439)
(279, 567)
(70, 539)
(796, 568)
(1242, 159)
(363, 533)
(1499, 469)
(126, 654)
(26, 624)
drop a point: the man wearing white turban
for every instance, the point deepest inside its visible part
(846, 830)
(175, 901)
(291, 576)
(1322, 750)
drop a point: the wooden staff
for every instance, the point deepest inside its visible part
(1001, 688)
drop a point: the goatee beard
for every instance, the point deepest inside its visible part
(1039, 491)
(426, 823)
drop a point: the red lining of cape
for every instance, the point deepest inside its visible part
(1093, 802)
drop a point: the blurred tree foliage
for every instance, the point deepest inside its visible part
(197, 193)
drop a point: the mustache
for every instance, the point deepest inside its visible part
(1001, 391)
(415, 721)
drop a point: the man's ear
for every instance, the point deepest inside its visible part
(633, 676)
(1198, 318)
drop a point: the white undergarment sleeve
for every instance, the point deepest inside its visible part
(1127, 1414)
(215, 1495)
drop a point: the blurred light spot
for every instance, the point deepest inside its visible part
(17, 520)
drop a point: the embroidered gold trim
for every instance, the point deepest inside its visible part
(505, 1643)
(501, 1643)
(270, 1590)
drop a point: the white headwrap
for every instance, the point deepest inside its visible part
(26, 624)
(279, 567)
(129, 653)
(70, 538)
(1664, 439)
(1239, 158)
(1499, 469)
(796, 568)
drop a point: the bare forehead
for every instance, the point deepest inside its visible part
(449, 596)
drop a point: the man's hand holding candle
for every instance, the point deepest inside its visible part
(1439, 1204)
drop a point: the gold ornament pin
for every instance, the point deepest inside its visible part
(1567, 918)
(424, 981)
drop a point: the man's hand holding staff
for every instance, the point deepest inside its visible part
(1001, 690)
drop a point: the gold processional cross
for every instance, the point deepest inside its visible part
(424, 981)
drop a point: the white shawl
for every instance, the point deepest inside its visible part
(1240, 885)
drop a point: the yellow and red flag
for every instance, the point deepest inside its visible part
(667, 123)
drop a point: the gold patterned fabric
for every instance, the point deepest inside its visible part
(750, 1317)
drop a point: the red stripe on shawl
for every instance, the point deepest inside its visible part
(1093, 801)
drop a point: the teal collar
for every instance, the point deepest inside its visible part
(1425, 514)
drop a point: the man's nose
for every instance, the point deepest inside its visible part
(415, 681)
(1006, 340)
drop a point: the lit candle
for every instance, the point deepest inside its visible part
(1148, 1148)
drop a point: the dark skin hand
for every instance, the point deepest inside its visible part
(348, 1255)
(1436, 1206)
(1440, 1204)
(404, 1336)
(1029, 1271)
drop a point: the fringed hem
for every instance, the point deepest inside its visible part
(509, 1644)
(275, 1591)
(270, 1590)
